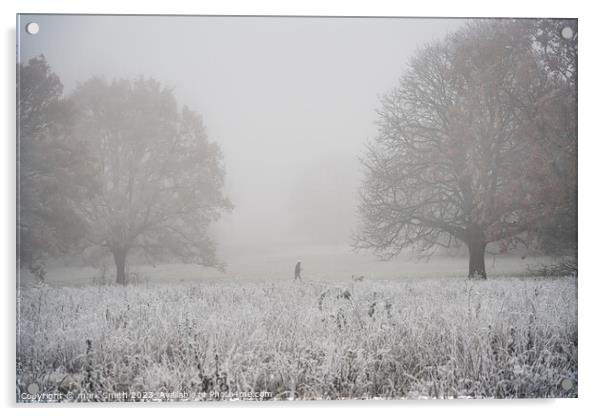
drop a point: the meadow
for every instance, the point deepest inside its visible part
(410, 338)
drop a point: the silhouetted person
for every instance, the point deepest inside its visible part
(298, 270)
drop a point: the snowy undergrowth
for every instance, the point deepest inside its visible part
(440, 338)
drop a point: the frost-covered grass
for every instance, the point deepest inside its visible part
(399, 339)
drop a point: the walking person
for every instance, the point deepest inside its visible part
(298, 270)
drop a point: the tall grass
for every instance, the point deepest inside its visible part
(405, 339)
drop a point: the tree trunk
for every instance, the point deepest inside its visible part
(476, 251)
(119, 255)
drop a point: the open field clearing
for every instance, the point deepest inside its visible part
(330, 263)
(414, 338)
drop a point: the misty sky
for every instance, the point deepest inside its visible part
(291, 101)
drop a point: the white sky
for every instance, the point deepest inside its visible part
(291, 101)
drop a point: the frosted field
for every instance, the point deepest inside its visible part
(413, 338)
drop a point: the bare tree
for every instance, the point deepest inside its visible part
(161, 179)
(52, 169)
(459, 156)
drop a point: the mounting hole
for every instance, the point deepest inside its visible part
(566, 384)
(567, 32)
(32, 28)
(33, 388)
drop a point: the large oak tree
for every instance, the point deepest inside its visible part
(160, 177)
(466, 145)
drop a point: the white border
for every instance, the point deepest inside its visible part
(589, 174)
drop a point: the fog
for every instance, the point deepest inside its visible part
(290, 101)
(254, 208)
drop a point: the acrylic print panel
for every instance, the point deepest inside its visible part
(295, 208)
